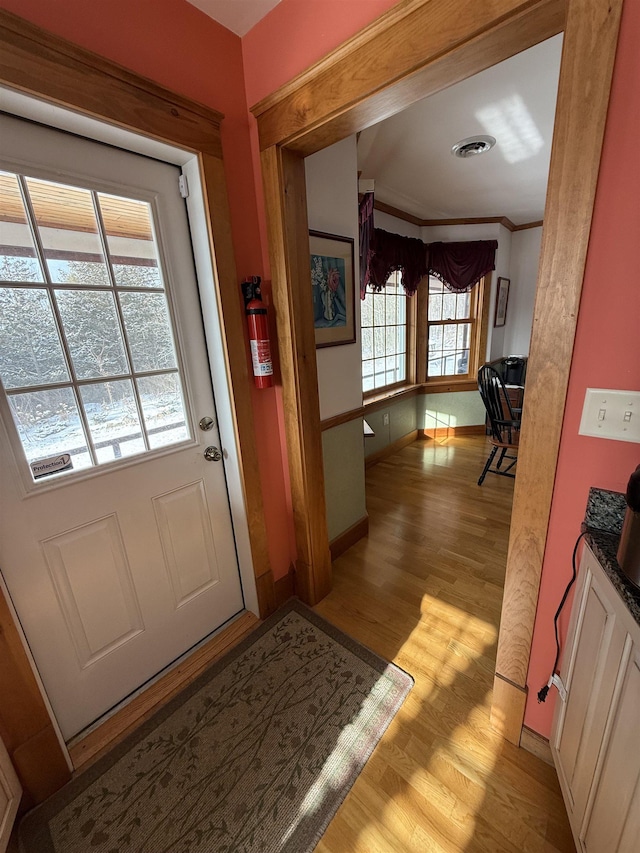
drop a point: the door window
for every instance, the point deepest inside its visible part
(87, 347)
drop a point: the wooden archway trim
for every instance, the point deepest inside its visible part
(414, 50)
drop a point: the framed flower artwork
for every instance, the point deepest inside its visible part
(332, 287)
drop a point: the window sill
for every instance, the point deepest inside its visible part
(432, 386)
(442, 385)
(383, 398)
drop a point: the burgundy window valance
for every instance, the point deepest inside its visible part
(390, 252)
(460, 266)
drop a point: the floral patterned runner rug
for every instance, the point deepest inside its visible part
(254, 756)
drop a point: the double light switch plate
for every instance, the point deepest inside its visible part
(611, 414)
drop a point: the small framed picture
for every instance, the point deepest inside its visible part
(333, 289)
(502, 298)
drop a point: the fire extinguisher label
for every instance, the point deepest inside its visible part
(261, 358)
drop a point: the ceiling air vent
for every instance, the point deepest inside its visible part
(473, 145)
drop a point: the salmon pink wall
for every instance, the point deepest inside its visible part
(297, 33)
(176, 45)
(606, 354)
(293, 36)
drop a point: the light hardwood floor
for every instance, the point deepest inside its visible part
(424, 589)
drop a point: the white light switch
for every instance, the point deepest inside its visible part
(611, 414)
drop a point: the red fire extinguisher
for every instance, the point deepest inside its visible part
(256, 312)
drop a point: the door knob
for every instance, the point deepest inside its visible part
(212, 454)
(206, 423)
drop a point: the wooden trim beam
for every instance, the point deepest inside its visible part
(471, 220)
(526, 225)
(285, 191)
(444, 387)
(474, 220)
(367, 80)
(342, 418)
(374, 404)
(395, 211)
(37, 62)
(590, 40)
(507, 708)
(417, 48)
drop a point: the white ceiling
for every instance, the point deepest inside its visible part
(236, 15)
(409, 155)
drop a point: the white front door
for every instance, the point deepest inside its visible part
(116, 540)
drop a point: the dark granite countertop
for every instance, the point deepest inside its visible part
(602, 524)
(605, 547)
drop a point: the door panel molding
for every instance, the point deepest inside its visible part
(99, 544)
(176, 510)
(416, 49)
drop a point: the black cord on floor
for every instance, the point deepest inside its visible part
(542, 693)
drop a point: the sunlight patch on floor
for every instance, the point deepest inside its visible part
(450, 615)
(337, 770)
(464, 758)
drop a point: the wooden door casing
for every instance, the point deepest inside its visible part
(416, 49)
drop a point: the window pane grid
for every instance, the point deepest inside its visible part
(127, 397)
(383, 330)
(450, 323)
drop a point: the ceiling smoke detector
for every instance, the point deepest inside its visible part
(473, 145)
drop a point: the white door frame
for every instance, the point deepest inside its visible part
(25, 106)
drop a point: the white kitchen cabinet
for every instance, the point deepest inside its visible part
(596, 732)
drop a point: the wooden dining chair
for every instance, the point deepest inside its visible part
(504, 422)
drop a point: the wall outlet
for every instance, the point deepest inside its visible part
(611, 414)
(385, 419)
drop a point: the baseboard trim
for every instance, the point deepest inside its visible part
(507, 708)
(451, 431)
(390, 449)
(536, 744)
(350, 536)
(285, 588)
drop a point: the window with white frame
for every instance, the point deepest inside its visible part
(383, 318)
(452, 328)
(87, 353)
